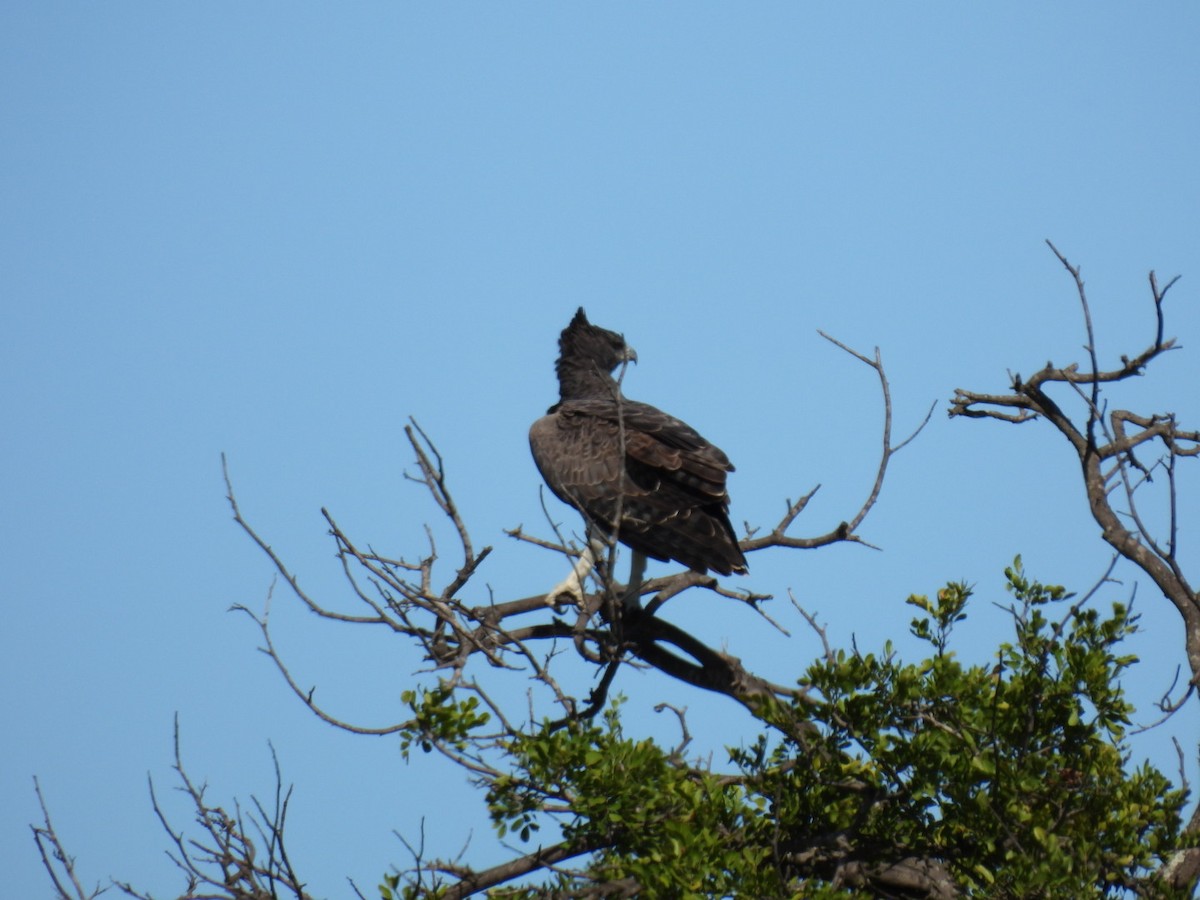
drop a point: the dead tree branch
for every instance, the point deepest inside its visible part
(236, 856)
(59, 864)
(846, 530)
(225, 861)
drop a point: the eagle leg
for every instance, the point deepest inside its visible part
(572, 585)
(632, 598)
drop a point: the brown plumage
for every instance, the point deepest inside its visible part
(629, 468)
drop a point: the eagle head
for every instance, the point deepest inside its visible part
(583, 342)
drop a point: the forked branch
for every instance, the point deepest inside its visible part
(59, 864)
(848, 529)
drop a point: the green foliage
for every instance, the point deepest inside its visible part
(1012, 776)
(675, 829)
(439, 718)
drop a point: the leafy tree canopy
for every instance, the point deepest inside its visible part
(1002, 780)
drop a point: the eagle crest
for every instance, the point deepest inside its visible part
(632, 470)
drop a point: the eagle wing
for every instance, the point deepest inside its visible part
(644, 475)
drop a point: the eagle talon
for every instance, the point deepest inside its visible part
(573, 594)
(572, 585)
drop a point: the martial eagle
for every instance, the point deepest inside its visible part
(631, 470)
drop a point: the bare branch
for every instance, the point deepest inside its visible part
(305, 696)
(845, 531)
(223, 862)
(60, 865)
(436, 482)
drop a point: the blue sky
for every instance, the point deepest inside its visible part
(276, 231)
